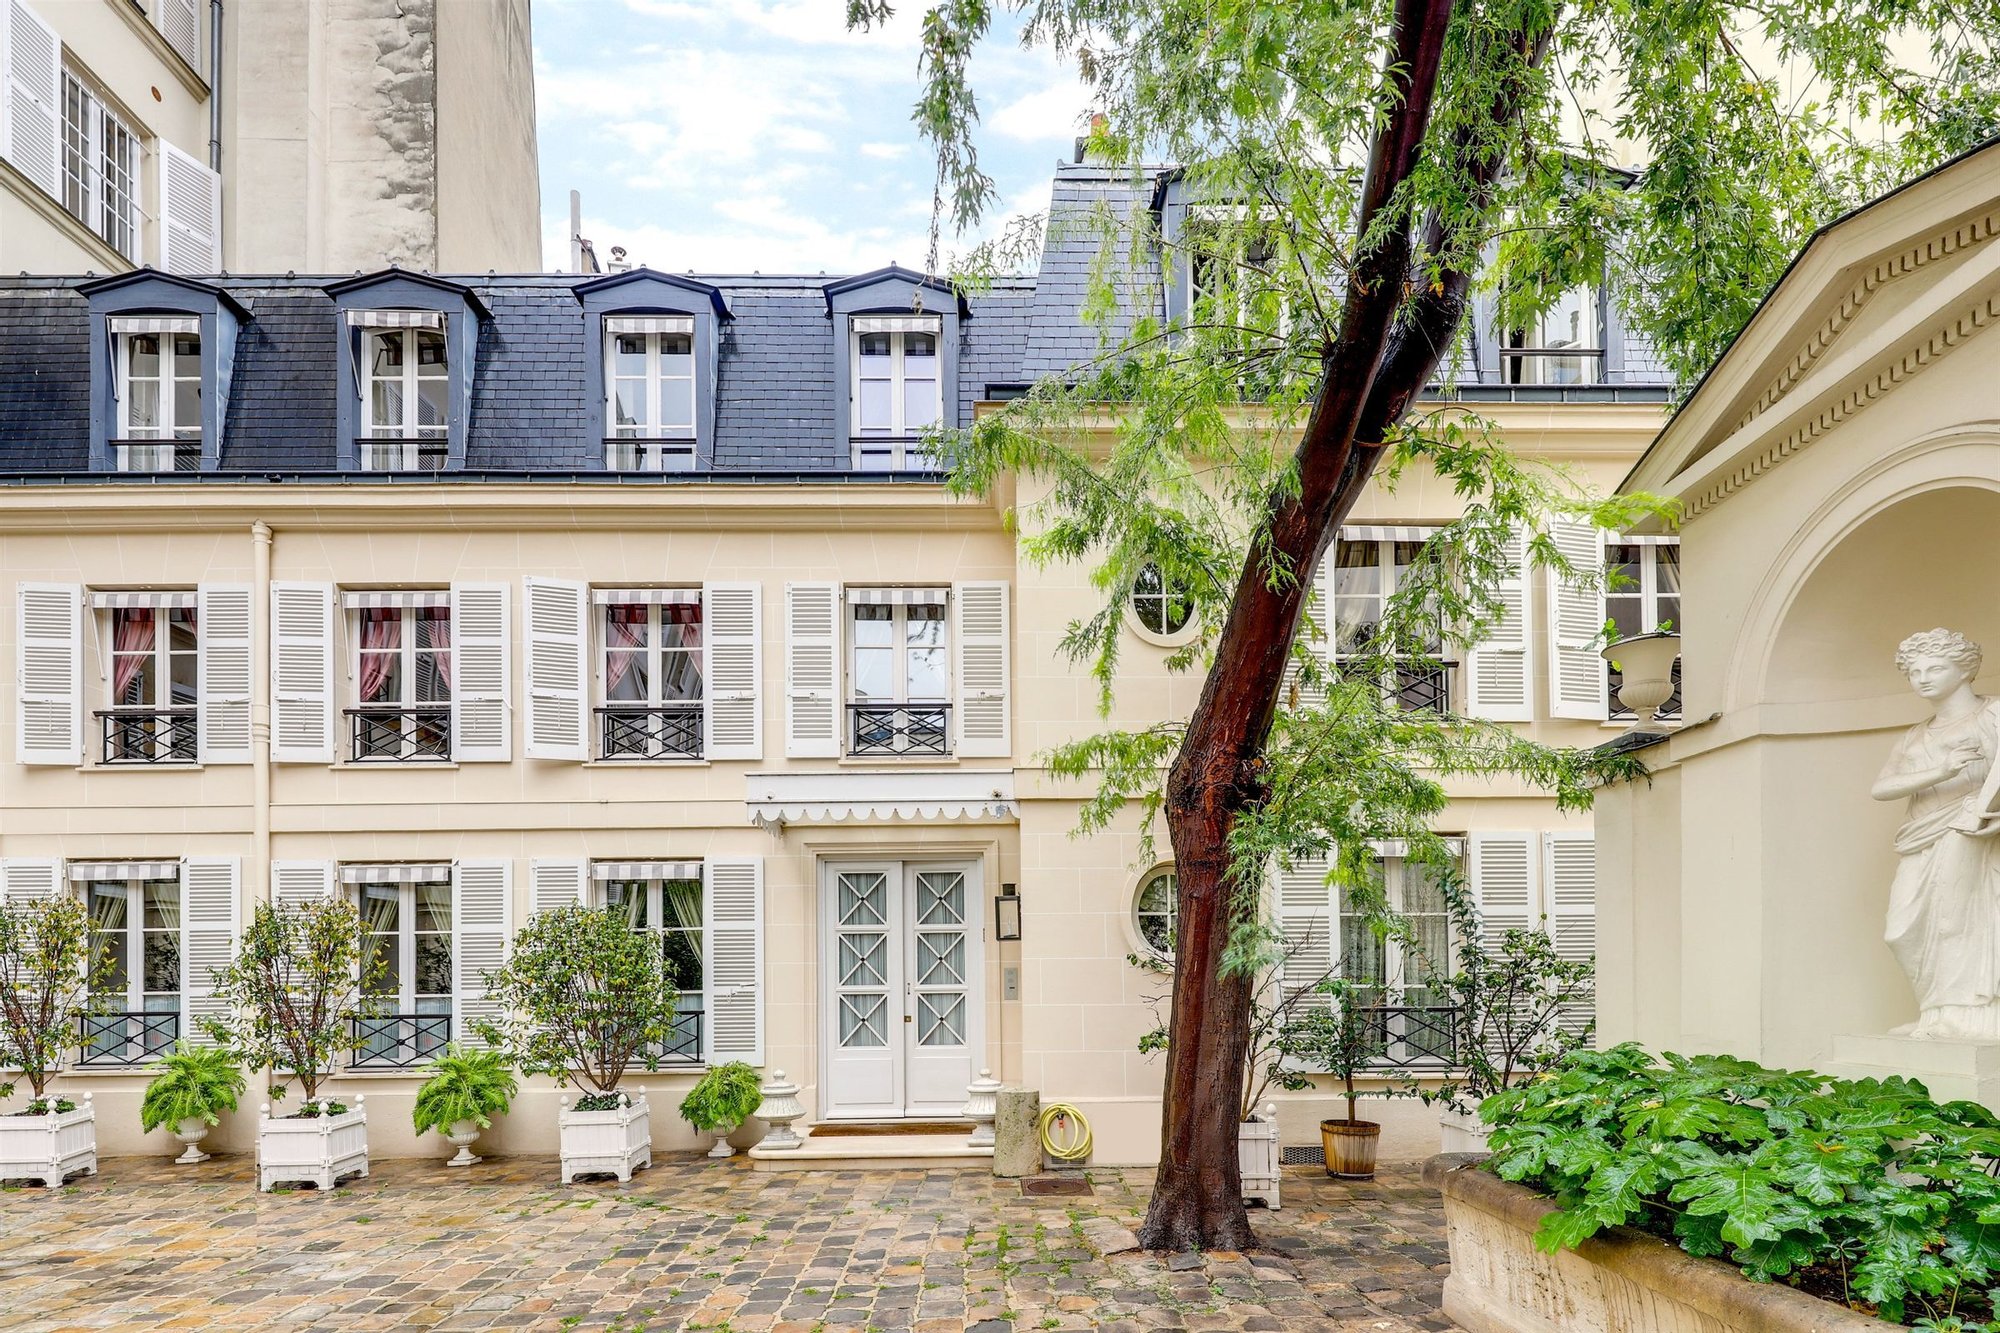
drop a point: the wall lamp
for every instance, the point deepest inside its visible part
(1007, 914)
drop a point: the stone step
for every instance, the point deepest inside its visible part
(873, 1152)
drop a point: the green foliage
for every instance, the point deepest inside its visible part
(728, 1094)
(463, 1084)
(191, 1082)
(45, 962)
(293, 991)
(1865, 1191)
(584, 998)
(1344, 1036)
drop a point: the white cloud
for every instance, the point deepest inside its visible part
(884, 152)
(1054, 112)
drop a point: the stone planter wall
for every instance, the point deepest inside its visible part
(1619, 1282)
(317, 1150)
(617, 1142)
(49, 1148)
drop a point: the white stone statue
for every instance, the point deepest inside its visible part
(1944, 905)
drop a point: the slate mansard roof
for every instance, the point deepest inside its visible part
(779, 407)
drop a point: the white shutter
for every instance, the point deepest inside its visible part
(480, 717)
(558, 623)
(732, 939)
(1309, 918)
(190, 214)
(553, 884)
(1569, 888)
(302, 673)
(1502, 871)
(1498, 684)
(1576, 626)
(180, 24)
(732, 670)
(32, 116)
(222, 673)
(211, 920)
(1314, 630)
(25, 879)
(296, 883)
(812, 670)
(482, 896)
(985, 729)
(48, 677)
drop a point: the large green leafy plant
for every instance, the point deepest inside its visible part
(290, 996)
(463, 1084)
(45, 960)
(1866, 1192)
(726, 1095)
(191, 1082)
(584, 998)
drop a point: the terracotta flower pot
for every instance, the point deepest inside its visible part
(1350, 1147)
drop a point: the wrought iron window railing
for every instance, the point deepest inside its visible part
(1615, 678)
(149, 735)
(392, 735)
(650, 731)
(403, 455)
(1410, 1036)
(156, 455)
(109, 1039)
(896, 729)
(1415, 686)
(625, 455)
(684, 1046)
(399, 1041)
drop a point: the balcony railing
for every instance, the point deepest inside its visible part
(156, 455)
(897, 729)
(401, 735)
(1415, 686)
(648, 455)
(1410, 1036)
(424, 455)
(642, 731)
(684, 1046)
(399, 1041)
(149, 735)
(114, 1039)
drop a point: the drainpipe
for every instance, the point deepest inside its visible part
(215, 86)
(260, 710)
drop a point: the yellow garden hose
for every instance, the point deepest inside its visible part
(1065, 1133)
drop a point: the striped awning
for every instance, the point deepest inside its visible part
(896, 323)
(610, 870)
(377, 601)
(1651, 539)
(396, 874)
(156, 598)
(646, 596)
(156, 324)
(98, 872)
(1397, 848)
(649, 324)
(898, 596)
(395, 319)
(1375, 532)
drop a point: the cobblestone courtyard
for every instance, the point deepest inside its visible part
(693, 1244)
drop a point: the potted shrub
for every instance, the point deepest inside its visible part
(462, 1091)
(192, 1086)
(1343, 1038)
(722, 1099)
(290, 998)
(585, 998)
(45, 961)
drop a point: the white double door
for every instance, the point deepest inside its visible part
(902, 990)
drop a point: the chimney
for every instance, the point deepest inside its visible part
(1083, 153)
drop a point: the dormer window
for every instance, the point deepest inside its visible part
(1565, 346)
(406, 400)
(158, 372)
(898, 391)
(649, 366)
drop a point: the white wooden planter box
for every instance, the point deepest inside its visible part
(1619, 1281)
(49, 1148)
(1464, 1131)
(316, 1150)
(617, 1142)
(1257, 1157)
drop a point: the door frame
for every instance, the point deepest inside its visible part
(973, 866)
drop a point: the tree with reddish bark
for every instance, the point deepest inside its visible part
(1359, 168)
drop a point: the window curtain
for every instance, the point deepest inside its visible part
(687, 615)
(379, 626)
(680, 903)
(437, 638)
(110, 910)
(131, 641)
(634, 903)
(168, 903)
(627, 627)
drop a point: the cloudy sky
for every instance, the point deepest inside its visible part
(732, 136)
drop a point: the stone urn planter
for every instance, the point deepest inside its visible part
(49, 1148)
(462, 1135)
(1257, 1156)
(1619, 1280)
(617, 1142)
(1350, 1147)
(191, 1132)
(1463, 1131)
(311, 1150)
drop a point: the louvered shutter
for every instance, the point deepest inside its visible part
(1569, 890)
(26, 879)
(222, 673)
(1314, 629)
(985, 726)
(732, 670)
(1309, 917)
(190, 214)
(732, 940)
(553, 884)
(812, 670)
(296, 883)
(1498, 684)
(180, 24)
(482, 895)
(302, 673)
(558, 621)
(1502, 870)
(1576, 626)
(33, 113)
(48, 678)
(480, 717)
(211, 921)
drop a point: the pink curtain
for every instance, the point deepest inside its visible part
(688, 616)
(437, 636)
(378, 632)
(627, 626)
(131, 645)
